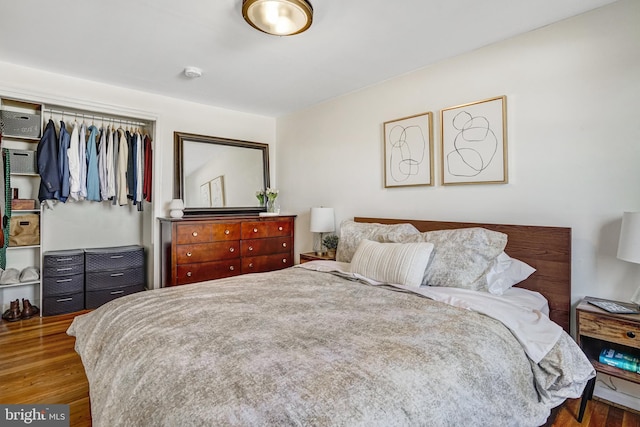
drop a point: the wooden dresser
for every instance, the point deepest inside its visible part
(195, 249)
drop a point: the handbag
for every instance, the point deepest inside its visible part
(24, 230)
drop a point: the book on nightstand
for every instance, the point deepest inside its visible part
(620, 360)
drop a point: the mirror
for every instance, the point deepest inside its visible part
(218, 175)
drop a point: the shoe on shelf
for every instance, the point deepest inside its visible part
(13, 313)
(10, 276)
(28, 310)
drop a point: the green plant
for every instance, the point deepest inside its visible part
(331, 241)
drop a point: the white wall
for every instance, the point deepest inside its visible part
(573, 138)
(170, 115)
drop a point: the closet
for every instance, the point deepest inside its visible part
(73, 225)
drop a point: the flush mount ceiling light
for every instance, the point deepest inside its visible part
(278, 17)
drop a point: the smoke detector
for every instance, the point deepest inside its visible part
(192, 72)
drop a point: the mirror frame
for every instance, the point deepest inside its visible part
(179, 139)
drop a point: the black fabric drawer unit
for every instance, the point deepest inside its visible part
(97, 280)
(117, 258)
(95, 299)
(63, 304)
(62, 285)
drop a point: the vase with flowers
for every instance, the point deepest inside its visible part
(272, 195)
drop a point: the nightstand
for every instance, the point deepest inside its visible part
(597, 329)
(311, 256)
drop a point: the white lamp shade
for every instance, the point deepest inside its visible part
(176, 204)
(629, 244)
(322, 220)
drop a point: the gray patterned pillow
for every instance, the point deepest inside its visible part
(352, 233)
(461, 257)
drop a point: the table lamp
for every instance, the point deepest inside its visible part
(629, 243)
(176, 207)
(322, 221)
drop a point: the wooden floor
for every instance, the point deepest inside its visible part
(39, 365)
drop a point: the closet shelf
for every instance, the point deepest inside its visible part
(13, 285)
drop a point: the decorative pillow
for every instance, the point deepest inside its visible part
(393, 263)
(461, 256)
(352, 233)
(506, 272)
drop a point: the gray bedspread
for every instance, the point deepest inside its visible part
(304, 348)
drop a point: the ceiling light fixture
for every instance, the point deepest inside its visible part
(278, 17)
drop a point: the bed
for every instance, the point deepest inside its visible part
(318, 344)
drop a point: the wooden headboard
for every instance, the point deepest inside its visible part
(547, 249)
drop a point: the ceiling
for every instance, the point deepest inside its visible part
(146, 44)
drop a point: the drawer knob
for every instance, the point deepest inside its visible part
(189, 254)
(226, 231)
(232, 268)
(255, 230)
(232, 249)
(250, 248)
(631, 334)
(250, 265)
(194, 234)
(189, 274)
(284, 260)
(284, 245)
(280, 228)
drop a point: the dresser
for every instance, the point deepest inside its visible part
(205, 248)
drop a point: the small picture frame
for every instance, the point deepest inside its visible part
(217, 192)
(408, 151)
(474, 143)
(205, 195)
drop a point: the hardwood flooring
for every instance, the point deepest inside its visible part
(38, 364)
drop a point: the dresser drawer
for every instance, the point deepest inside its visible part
(94, 299)
(62, 285)
(255, 247)
(62, 304)
(98, 280)
(206, 232)
(63, 270)
(259, 264)
(191, 273)
(116, 258)
(262, 229)
(204, 252)
(609, 329)
(57, 259)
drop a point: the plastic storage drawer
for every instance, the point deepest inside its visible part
(98, 280)
(62, 285)
(63, 304)
(115, 258)
(64, 258)
(95, 299)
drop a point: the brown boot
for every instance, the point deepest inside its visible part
(28, 310)
(13, 313)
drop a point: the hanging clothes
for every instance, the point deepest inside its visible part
(131, 186)
(73, 155)
(139, 170)
(148, 169)
(3, 197)
(6, 219)
(102, 164)
(63, 163)
(93, 178)
(47, 160)
(82, 155)
(123, 161)
(111, 166)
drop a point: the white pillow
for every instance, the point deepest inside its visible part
(506, 272)
(393, 263)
